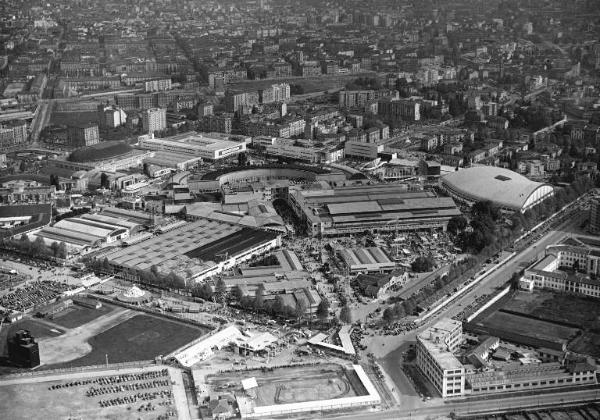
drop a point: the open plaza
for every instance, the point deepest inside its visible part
(127, 392)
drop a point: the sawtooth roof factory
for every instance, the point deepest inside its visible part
(348, 210)
(507, 189)
(196, 250)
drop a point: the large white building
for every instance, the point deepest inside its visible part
(203, 145)
(435, 357)
(508, 190)
(572, 266)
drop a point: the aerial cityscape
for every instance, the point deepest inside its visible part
(276, 209)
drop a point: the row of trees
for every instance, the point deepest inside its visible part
(36, 248)
(277, 306)
(432, 291)
(150, 277)
(423, 263)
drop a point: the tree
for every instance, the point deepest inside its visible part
(220, 287)
(388, 314)
(238, 293)
(346, 315)
(242, 159)
(323, 309)
(300, 308)
(259, 298)
(54, 181)
(423, 264)
(104, 182)
(457, 224)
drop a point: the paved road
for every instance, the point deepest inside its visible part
(519, 261)
(418, 283)
(502, 403)
(41, 118)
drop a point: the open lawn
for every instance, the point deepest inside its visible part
(560, 307)
(76, 315)
(36, 328)
(526, 330)
(141, 337)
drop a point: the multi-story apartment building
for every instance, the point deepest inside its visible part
(13, 133)
(157, 85)
(205, 109)
(220, 123)
(399, 109)
(359, 98)
(595, 216)
(83, 135)
(435, 357)
(154, 119)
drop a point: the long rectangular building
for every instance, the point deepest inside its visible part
(196, 250)
(350, 210)
(194, 144)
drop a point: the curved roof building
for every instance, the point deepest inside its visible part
(505, 188)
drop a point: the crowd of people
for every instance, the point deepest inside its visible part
(32, 295)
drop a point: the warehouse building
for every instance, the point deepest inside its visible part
(366, 260)
(88, 231)
(194, 144)
(197, 250)
(351, 210)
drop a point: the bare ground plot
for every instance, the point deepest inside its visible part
(73, 118)
(546, 305)
(33, 399)
(76, 315)
(295, 384)
(587, 343)
(137, 337)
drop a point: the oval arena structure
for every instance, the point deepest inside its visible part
(507, 189)
(236, 175)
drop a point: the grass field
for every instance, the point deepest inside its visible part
(528, 327)
(35, 400)
(546, 305)
(37, 329)
(76, 315)
(141, 337)
(587, 343)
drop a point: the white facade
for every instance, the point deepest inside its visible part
(362, 149)
(194, 144)
(154, 119)
(435, 358)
